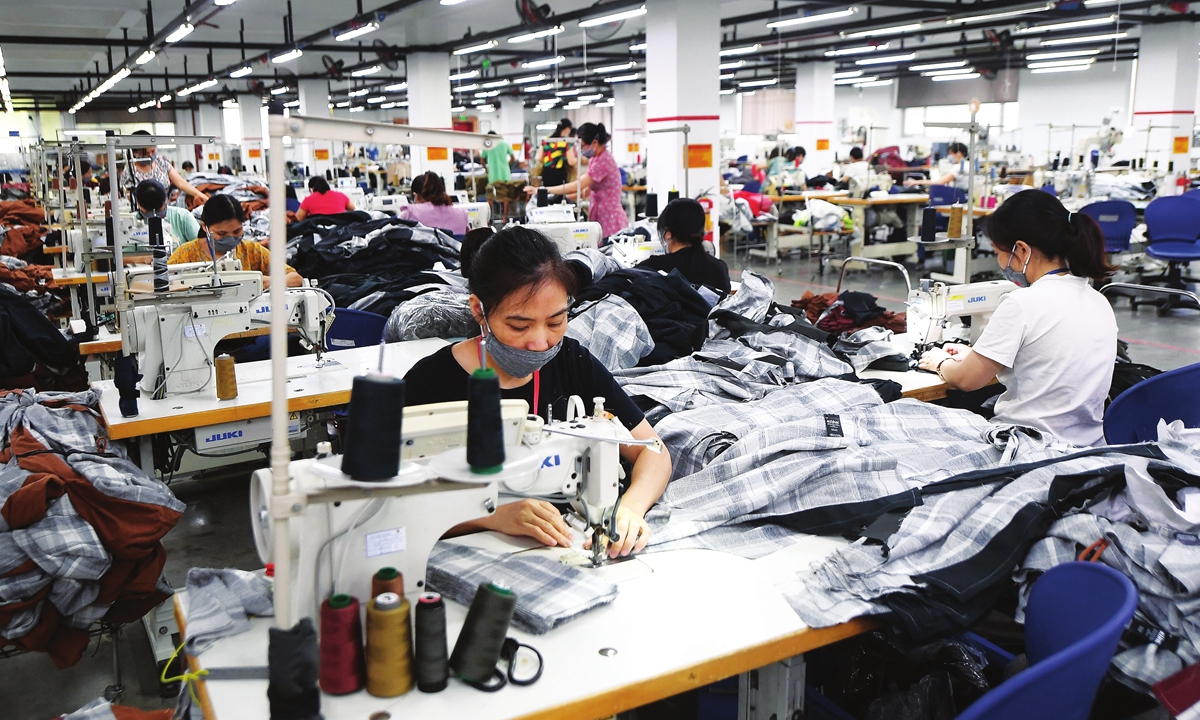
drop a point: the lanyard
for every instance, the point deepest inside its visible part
(1058, 271)
(537, 386)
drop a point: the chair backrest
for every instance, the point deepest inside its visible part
(945, 195)
(1075, 616)
(1173, 219)
(1049, 188)
(354, 328)
(1134, 415)
(1193, 193)
(1116, 219)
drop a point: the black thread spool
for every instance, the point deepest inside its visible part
(543, 196)
(293, 662)
(482, 636)
(651, 205)
(432, 670)
(928, 224)
(373, 431)
(672, 195)
(485, 427)
(162, 282)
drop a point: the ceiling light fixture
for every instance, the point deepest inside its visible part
(197, 87)
(530, 79)
(637, 47)
(948, 78)
(726, 91)
(180, 33)
(746, 50)
(885, 59)
(476, 48)
(543, 62)
(396, 87)
(1084, 39)
(241, 72)
(366, 71)
(731, 65)
(874, 83)
(287, 55)
(1086, 62)
(1069, 68)
(956, 71)
(859, 50)
(605, 19)
(849, 74)
(806, 19)
(465, 75)
(726, 76)
(759, 83)
(855, 80)
(614, 68)
(145, 57)
(567, 93)
(495, 83)
(377, 99)
(487, 93)
(292, 103)
(353, 32)
(164, 98)
(590, 98)
(358, 108)
(1063, 54)
(540, 88)
(458, 108)
(466, 88)
(133, 109)
(938, 66)
(359, 92)
(344, 104)
(622, 78)
(535, 35)
(997, 16)
(280, 90)
(893, 30)
(1090, 22)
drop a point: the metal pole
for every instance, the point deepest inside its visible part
(686, 168)
(971, 185)
(81, 212)
(114, 183)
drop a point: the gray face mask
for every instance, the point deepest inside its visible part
(516, 362)
(220, 246)
(588, 152)
(1013, 276)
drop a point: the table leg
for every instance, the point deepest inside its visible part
(774, 691)
(146, 453)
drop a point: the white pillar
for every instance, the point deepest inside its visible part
(317, 155)
(683, 38)
(628, 122)
(208, 122)
(1165, 96)
(814, 126)
(429, 107)
(250, 108)
(512, 124)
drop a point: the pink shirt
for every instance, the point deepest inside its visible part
(606, 207)
(329, 203)
(451, 218)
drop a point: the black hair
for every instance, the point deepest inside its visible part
(517, 259)
(684, 217)
(417, 183)
(957, 147)
(1042, 222)
(150, 194)
(289, 192)
(492, 132)
(220, 208)
(187, 165)
(564, 124)
(794, 152)
(225, 170)
(590, 132)
(856, 153)
(799, 150)
(143, 133)
(318, 185)
(774, 152)
(433, 189)
(471, 243)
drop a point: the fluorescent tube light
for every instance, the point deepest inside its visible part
(622, 78)
(874, 83)
(287, 55)
(998, 15)
(748, 49)
(529, 79)
(858, 50)
(366, 71)
(543, 62)
(241, 72)
(351, 33)
(1090, 22)
(476, 48)
(885, 59)
(396, 87)
(731, 65)
(806, 19)
(938, 66)
(855, 80)
(604, 19)
(1084, 39)
(145, 57)
(535, 35)
(849, 74)
(1061, 63)
(758, 83)
(948, 78)
(359, 92)
(637, 47)
(614, 68)
(280, 90)
(1069, 68)
(495, 83)
(180, 33)
(893, 30)
(1063, 54)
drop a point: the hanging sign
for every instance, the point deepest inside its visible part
(436, 153)
(699, 156)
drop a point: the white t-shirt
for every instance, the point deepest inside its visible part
(1057, 341)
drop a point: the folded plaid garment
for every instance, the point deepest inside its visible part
(611, 330)
(220, 603)
(548, 592)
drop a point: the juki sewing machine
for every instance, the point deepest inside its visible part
(952, 313)
(347, 530)
(175, 332)
(570, 235)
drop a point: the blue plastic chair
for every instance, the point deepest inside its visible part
(354, 328)
(1134, 415)
(1173, 231)
(946, 195)
(1049, 188)
(1116, 219)
(1075, 616)
(1193, 193)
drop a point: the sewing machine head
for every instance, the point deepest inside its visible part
(952, 313)
(570, 235)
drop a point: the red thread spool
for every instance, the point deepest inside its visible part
(343, 668)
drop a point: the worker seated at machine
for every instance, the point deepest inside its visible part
(151, 198)
(681, 227)
(521, 306)
(958, 172)
(433, 207)
(323, 200)
(222, 228)
(1052, 343)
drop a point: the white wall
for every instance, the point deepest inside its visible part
(866, 107)
(1082, 98)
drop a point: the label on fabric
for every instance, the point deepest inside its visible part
(1188, 538)
(833, 426)
(1140, 632)
(385, 542)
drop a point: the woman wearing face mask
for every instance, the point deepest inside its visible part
(149, 165)
(521, 306)
(221, 233)
(958, 173)
(681, 225)
(1052, 343)
(602, 180)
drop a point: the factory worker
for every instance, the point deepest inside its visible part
(602, 180)
(521, 306)
(151, 199)
(433, 207)
(1053, 342)
(957, 174)
(149, 165)
(323, 200)
(681, 227)
(221, 233)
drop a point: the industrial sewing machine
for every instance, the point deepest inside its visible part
(952, 313)
(348, 530)
(175, 332)
(570, 235)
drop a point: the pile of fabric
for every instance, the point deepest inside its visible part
(36, 354)
(80, 525)
(851, 311)
(21, 229)
(252, 193)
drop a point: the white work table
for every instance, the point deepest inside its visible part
(683, 619)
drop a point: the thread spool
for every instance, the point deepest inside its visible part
(651, 204)
(387, 580)
(485, 427)
(431, 665)
(477, 649)
(162, 281)
(373, 430)
(954, 230)
(389, 646)
(226, 377)
(928, 224)
(672, 195)
(543, 196)
(293, 661)
(342, 665)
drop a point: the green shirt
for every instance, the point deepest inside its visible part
(184, 225)
(496, 160)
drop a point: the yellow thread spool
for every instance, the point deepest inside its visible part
(226, 378)
(954, 229)
(389, 646)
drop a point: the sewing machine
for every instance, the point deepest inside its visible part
(570, 235)
(478, 214)
(936, 311)
(175, 332)
(388, 203)
(557, 213)
(350, 186)
(348, 530)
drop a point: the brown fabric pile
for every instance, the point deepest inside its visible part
(30, 277)
(510, 190)
(837, 321)
(23, 221)
(248, 206)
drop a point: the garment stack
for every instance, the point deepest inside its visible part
(849, 311)
(36, 354)
(252, 193)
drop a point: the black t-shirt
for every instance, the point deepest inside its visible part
(573, 371)
(693, 263)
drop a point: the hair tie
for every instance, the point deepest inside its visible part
(1069, 216)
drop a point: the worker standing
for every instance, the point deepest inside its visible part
(149, 165)
(602, 180)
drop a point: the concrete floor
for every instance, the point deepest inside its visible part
(215, 530)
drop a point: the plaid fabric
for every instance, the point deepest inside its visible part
(612, 331)
(597, 262)
(220, 603)
(548, 592)
(752, 300)
(865, 346)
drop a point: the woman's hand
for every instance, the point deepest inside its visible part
(202, 197)
(633, 531)
(910, 182)
(532, 518)
(957, 350)
(932, 357)
(530, 190)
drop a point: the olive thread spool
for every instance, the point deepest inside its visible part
(342, 664)
(477, 649)
(954, 230)
(431, 665)
(372, 446)
(387, 580)
(485, 426)
(929, 224)
(389, 653)
(226, 377)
